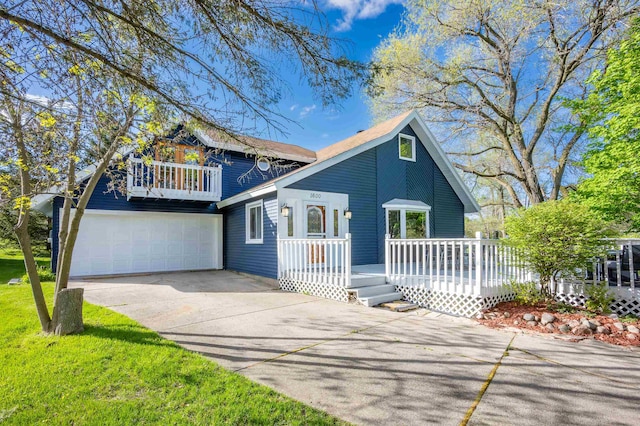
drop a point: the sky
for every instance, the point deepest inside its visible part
(364, 23)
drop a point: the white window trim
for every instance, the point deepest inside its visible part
(413, 147)
(263, 160)
(403, 219)
(247, 218)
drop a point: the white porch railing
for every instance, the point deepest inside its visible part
(463, 266)
(315, 261)
(157, 179)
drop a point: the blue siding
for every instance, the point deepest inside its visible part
(376, 176)
(356, 177)
(446, 219)
(236, 164)
(258, 259)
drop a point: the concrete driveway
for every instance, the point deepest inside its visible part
(372, 366)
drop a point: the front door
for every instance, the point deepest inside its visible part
(316, 227)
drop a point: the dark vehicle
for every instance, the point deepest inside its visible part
(613, 257)
(625, 270)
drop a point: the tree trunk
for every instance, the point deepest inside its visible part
(67, 317)
(31, 267)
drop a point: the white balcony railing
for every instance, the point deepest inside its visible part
(157, 179)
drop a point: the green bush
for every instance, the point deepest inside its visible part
(526, 293)
(599, 298)
(556, 237)
(561, 308)
(44, 273)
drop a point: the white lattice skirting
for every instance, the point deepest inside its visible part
(450, 303)
(620, 306)
(320, 290)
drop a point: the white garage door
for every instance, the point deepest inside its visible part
(117, 242)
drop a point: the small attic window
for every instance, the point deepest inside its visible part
(407, 147)
(263, 164)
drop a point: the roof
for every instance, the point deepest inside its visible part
(398, 203)
(363, 141)
(249, 144)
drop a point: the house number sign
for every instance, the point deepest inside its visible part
(315, 195)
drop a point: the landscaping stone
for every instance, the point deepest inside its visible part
(620, 326)
(516, 322)
(529, 317)
(564, 328)
(506, 315)
(547, 318)
(532, 323)
(596, 322)
(632, 336)
(603, 330)
(550, 327)
(614, 316)
(573, 323)
(633, 329)
(590, 324)
(582, 330)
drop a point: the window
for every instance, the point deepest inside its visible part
(263, 164)
(181, 154)
(290, 222)
(407, 219)
(253, 213)
(407, 147)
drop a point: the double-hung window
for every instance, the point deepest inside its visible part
(253, 213)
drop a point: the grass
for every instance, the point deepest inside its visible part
(119, 372)
(12, 264)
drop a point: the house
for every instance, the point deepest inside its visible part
(204, 204)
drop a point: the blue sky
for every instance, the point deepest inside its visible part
(364, 23)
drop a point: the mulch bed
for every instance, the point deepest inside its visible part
(510, 315)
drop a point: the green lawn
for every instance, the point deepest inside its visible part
(118, 372)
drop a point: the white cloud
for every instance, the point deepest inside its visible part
(358, 9)
(307, 110)
(293, 107)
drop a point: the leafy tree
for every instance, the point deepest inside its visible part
(556, 237)
(492, 75)
(612, 117)
(113, 74)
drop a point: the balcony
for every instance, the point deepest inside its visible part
(157, 179)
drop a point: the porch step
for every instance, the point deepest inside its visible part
(380, 298)
(364, 280)
(400, 306)
(374, 290)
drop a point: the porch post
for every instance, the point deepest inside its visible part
(348, 260)
(387, 256)
(478, 278)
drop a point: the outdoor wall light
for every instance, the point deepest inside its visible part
(285, 210)
(347, 213)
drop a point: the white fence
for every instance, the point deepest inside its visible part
(454, 265)
(315, 262)
(157, 179)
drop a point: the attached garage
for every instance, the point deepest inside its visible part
(124, 242)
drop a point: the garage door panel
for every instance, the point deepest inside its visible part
(135, 242)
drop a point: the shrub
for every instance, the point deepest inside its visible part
(526, 293)
(599, 298)
(562, 308)
(44, 273)
(556, 237)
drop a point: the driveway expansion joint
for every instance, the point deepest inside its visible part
(486, 384)
(313, 345)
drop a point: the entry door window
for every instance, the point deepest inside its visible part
(316, 221)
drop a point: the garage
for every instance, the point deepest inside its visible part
(124, 242)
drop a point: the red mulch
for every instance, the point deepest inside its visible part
(515, 320)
